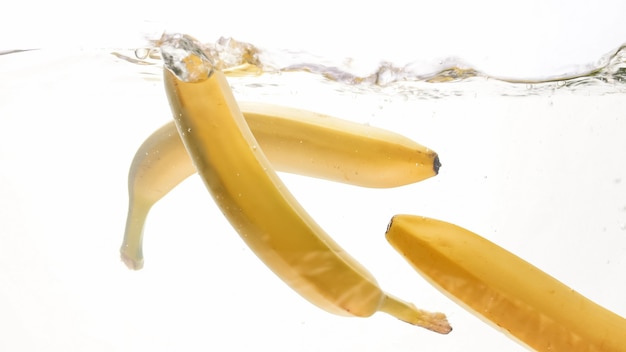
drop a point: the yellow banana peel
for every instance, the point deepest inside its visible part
(258, 205)
(504, 290)
(294, 141)
(321, 146)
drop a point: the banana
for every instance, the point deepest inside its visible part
(504, 290)
(294, 141)
(159, 165)
(321, 146)
(258, 205)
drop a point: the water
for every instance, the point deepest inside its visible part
(531, 164)
(535, 166)
(240, 59)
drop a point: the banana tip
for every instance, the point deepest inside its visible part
(438, 322)
(436, 164)
(131, 263)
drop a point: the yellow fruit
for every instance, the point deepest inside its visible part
(295, 141)
(321, 146)
(256, 202)
(504, 290)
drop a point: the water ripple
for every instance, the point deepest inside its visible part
(267, 67)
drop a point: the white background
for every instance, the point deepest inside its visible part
(72, 123)
(530, 38)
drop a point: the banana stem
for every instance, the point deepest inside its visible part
(131, 251)
(407, 312)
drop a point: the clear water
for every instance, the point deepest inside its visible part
(608, 76)
(535, 166)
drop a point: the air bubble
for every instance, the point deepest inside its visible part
(142, 53)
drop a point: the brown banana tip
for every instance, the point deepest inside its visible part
(439, 323)
(436, 164)
(389, 225)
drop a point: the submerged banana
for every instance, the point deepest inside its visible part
(504, 290)
(321, 146)
(295, 141)
(256, 202)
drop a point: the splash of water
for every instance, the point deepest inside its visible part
(240, 59)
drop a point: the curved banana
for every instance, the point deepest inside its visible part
(159, 165)
(503, 289)
(295, 141)
(256, 202)
(321, 146)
